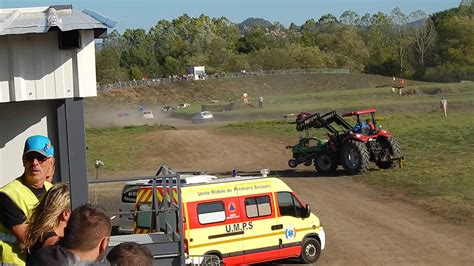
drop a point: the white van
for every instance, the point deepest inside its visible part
(127, 204)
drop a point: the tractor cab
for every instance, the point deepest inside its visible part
(364, 125)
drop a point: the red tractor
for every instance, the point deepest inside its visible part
(352, 147)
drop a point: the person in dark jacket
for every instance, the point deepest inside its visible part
(85, 240)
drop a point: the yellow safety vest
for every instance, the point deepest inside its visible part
(26, 200)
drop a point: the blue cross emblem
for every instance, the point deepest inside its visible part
(290, 233)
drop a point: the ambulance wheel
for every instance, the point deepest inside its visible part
(211, 260)
(310, 251)
(292, 163)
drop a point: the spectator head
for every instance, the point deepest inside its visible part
(38, 159)
(51, 214)
(39, 144)
(130, 253)
(87, 232)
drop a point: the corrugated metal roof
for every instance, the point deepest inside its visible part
(43, 19)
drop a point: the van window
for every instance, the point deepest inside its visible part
(211, 212)
(289, 205)
(129, 193)
(258, 206)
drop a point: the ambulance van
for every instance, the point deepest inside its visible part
(242, 220)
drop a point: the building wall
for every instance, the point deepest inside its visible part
(32, 67)
(85, 82)
(4, 70)
(19, 121)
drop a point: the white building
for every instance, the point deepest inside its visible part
(47, 67)
(198, 72)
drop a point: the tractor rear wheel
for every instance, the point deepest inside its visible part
(391, 149)
(325, 163)
(355, 157)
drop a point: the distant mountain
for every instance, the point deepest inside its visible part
(245, 25)
(417, 24)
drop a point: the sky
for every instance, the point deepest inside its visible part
(145, 13)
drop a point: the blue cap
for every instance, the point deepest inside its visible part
(39, 144)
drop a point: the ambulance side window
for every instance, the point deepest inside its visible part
(258, 206)
(211, 212)
(289, 205)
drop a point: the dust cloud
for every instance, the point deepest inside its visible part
(104, 115)
(120, 115)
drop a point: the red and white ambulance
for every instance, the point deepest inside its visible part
(242, 220)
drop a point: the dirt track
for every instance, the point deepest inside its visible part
(363, 226)
(367, 227)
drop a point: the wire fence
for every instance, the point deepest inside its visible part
(222, 75)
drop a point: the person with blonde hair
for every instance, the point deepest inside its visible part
(48, 219)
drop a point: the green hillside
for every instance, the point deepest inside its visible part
(232, 88)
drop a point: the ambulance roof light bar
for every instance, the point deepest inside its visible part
(186, 179)
(196, 179)
(235, 178)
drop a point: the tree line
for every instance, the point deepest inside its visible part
(439, 47)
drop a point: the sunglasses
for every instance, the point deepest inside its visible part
(34, 155)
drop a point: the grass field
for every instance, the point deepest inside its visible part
(119, 146)
(438, 155)
(438, 171)
(423, 98)
(438, 152)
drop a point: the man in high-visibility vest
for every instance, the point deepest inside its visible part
(18, 197)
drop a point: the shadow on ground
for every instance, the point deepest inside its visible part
(297, 173)
(286, 173)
